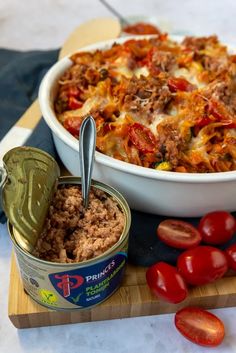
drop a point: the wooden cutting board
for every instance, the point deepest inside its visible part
(132, 299)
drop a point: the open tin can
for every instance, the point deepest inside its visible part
(64, 286)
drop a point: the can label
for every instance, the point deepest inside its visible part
(71, 287)
(90, 285)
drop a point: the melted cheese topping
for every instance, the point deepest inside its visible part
(137, 83)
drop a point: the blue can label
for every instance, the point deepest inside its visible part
(90, 285)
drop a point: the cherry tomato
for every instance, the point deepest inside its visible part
(205, 120)
(214, 109)
(73, 125)
(73, 103)
(141, 28)
(179, 234)
(217, 227)
(179, 84)
(142, 138)
(166, 283)
(231, 256)
(200, 326)
(150, 63)
(74, 91)
(221, 113)
(202, 265)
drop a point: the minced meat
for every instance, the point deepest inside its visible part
(73, 233)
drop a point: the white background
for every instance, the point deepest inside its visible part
(45, 24)
(27, 24)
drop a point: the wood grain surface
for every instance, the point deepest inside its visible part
(132, 299)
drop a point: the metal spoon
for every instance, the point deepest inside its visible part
(87, 143)
(123, 21)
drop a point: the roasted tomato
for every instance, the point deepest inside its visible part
(141, 28)
(74, 91)
(202, 265)
(73, 125)
(166, 283)
(204, 121)
(73, 103)
(179, 84)
(217, 227)
(179, 234)
(231, 256)
(200, 326)
(142, 138)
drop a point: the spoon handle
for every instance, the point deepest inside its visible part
(115, 12)
(87, 143)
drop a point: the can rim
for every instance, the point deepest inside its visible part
(109, 190)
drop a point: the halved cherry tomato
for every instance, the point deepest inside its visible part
(205, 120)
(214, 109)
(179, 84)
(200, 326)
(179, 234)
(219, 111)
(202, 265)
(166, 283)
(142, 138)
(74, 91)
(217, 227)
(150, 63)
(73, 103)
(231, 256)
(73, 125)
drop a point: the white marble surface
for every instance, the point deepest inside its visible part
(45, 24)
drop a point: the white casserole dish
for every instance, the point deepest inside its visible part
(148, 190)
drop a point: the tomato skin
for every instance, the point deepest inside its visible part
(231, 256)
(204, 121)
(73, 125)
(166, 283)
(220, 113)
(73, 103)
(200, 326)
(142, 138)
(150, 62)
(179, 234)
(74, 91)
(202, 265)
(217, 227)
(179, 84)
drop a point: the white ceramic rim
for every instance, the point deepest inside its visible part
(49, 116)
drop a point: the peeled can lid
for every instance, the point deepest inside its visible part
(32, 176)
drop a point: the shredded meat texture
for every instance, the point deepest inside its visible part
(145, 95)
(164, 60)
(73, 234)
(170, 143)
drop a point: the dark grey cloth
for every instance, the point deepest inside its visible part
(20, 76)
